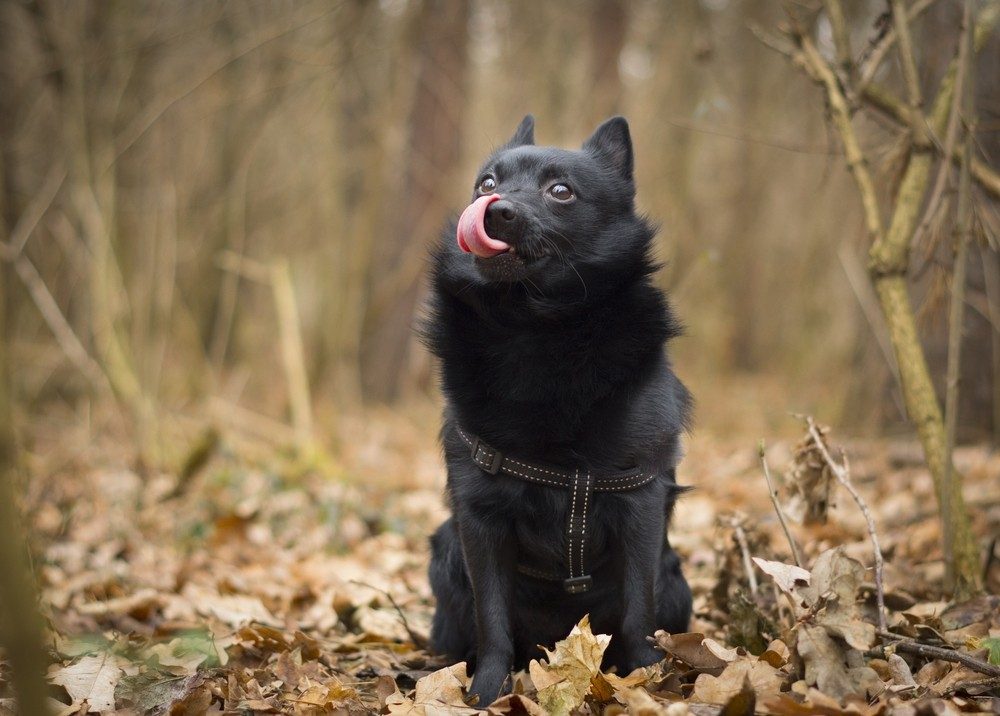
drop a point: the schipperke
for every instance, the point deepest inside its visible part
(562, 416)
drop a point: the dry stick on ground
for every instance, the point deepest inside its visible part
(418, 641)
(888, 264)
(901, 643)
(773, 494)
(842, 473)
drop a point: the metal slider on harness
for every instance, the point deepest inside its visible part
(492, 466)
(578, 585)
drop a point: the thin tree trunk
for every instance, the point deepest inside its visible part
(20, 625)
(435, 123)
(608, 25)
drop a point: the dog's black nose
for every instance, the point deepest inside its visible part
(502, 219)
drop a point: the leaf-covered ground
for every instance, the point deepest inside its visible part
(254, 581)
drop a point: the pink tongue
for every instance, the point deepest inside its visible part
(472, 236)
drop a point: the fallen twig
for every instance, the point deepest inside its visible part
(418, 641)
(773, 494)
(901, 643)
(842, 473)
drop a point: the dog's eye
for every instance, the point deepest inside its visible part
(488, 185)
(561, 192)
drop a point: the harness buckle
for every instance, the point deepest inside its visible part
(578, 585)
(492, 465)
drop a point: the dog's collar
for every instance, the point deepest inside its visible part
(583, 485)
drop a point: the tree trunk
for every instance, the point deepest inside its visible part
(608, 25)
(422, 200)
(20, 625)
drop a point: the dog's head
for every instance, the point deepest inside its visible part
(550, 218)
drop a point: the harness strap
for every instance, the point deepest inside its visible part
(582, 487)
(493, 461)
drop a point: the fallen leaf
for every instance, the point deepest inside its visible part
(440, 692)
(992, 646)
(900, 671)
(690, 648)
(718, 650)
(790, 578)
(193, 703)
(810, 482)
(743, 703)
(641, 703)
(826, 666)
(776, 654)
(138, 605)
(515, 705)
(232, 609)
(155, 690)
(564, 679)
(92, 679)
(763, 678)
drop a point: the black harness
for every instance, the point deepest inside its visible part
(583, 485)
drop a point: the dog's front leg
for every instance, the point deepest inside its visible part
(490, 559)
(642, 546)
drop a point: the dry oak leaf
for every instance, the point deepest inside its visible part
(640, 703)
(691, 649)
(236, 610)
(92, 680)
(776, 654)
(837, 578)
(827, 668)
(515, 705)
(763, 678)
(605, 687)
(564, 681)
(790, 578)
(440, 692)
(324, 698)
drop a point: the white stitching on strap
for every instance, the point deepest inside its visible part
(538, 469)
(583, 533)
(572, 519)
(533, 478)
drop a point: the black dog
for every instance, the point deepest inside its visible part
(562, 419)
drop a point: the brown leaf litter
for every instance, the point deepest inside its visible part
(281, 586)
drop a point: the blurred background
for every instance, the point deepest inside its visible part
(218, 213)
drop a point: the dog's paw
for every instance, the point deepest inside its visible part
(489, 683)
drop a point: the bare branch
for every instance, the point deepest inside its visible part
(54, 318)
(773, 494)
(841, 36)
(843, 474)
(36, 209)
(885, 43)
(841, 117)
(901, 23)
(881, 99)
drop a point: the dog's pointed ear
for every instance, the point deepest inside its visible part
(525, 133)
(612, 143)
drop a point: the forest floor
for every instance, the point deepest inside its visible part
(254, 580)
